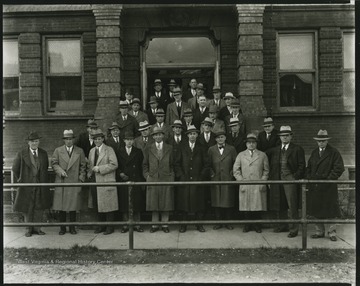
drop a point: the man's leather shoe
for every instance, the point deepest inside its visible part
(100, 229)
(281, 229)
(333, 238)
(292, 234)
(72, 230)
(182, 228)
(316, 235)
(218, 226)
(154, 229)
(109, 230)
(62, 232)
(138, 229)
(228, 226)
(246, 228)
(165, 229)
(258, 229)
(200, 228)
(39, 232)
(124, 229)
(28, 234)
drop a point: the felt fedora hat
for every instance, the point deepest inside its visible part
(188, 111)
(114, 125)
(143, 125)
(68, 134)
(91, 123)
(160, 112)
(157, 81)
(250, 137)
(177, 91)
(213, 109)
(123, 104)
(229, 95)
(129, 135)
(172, 82)
(177, 123)
(208, 120)
(192, 128)
(97, 133)
(153, 99)
(135, 100)
(33, 135)
(322, 135)
(200, 86)
(216, 89)
(220, 132)
(234, 122)
(268, 121)
(157, 130)
(284, 130)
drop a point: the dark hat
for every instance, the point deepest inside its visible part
(172, 82)
(97, 133)
(157, 130)
(220, 132)
(123, 103)
(157, 81)
(251, 137)
(152, 99)
(68, 134)
(114, 125)
(200, 86)
(177, 123)
(192, 128)
(229, 95)
(144, 125)
(216, 88)
(177, 91)
(268, 121)
(235, 103)
(213, 109)
(234, 122)
(129, 135)
(208, 120)
(285, 130)
(322, 135)
(135, 100)
(33, 136)
(160, 112)
(188, 111)
(91, 123)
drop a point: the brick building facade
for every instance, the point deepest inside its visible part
(253, 58)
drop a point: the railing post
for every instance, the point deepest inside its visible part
(131, 219)
(303, 216)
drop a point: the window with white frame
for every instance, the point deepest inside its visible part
(296, 71)
(349, 68)
(64, 74)
(11, 100)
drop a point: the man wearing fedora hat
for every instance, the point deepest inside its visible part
(226, 110)
(236, 138)
(158, 166)
(69, 164)
(177, 138)
(217, 100)
(189, 166)
(325, 163)
(251, 164)
(170, 93)
(130, 169)
(144, 139)
(114, 140)
(125, 121)
(201, 112)
(129, 95)
(175, 110)
(218, 123)
(207, 137)
(236, 113)
(136, 112)
(85, 141)
(31, 166)
(268, 138)
(187, 119)
(287, 162)
(102, 168)
(160, 94)
(151, 109)
(191, 92)
(160, 123)
(221, 158)
(194, 101)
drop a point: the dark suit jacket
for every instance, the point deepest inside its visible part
(130, 124)
(221, 103)
(140, 144)
(187, 95)
(199, 117)
(172, 112)
(177, 146)
(202, 141)
(163, 100)
(223, 113)
(116, 146)
(151, 116)
(26, 171)
(242, 123)
(237, 142)
(264, 144)
(83, 142)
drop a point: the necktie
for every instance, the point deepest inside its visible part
(202, 110)
(116, 139)
(36, 159)
(321, 152)
(177, 139)
(128, 150)
(283, 150)
(135, 114)
(158, 94)
(96, 155)
(216, 102)
(69, 151)
(192, 146)
(234, 134)
(153, 111)
(193, 92)
(207, 137)
(252, 153)
(268, 136)
(124, 118)
(145, 139)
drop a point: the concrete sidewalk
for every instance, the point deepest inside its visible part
(223, 238)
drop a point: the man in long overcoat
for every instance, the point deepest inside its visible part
(158, 166)
(69, 164)
(287, 162)
(226, 110)
(325, 163)
(251, 164)
(102, 167)
(236, 138)
(31, 166)
(144, 139)
(221, 158)
(189, 166)
(130, 169)
(125, 121)
(175, 110)
(268, 138)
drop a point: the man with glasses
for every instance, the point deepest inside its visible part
(287, 163)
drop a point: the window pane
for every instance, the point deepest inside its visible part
(65, 92)
(296, 51)
(11, 93)
(180, 50)
(10, 58)
(296, 89)
(64, 56)
(349, 51)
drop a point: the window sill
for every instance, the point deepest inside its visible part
(48, 118)
(312, 113)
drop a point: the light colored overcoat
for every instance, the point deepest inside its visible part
(106, 196)
(68, 198)
(255, 167)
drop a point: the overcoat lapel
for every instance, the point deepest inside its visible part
(74, 156)
(32, 160)
(324, 156)
(101, 154)
(154, 151)
(28, 159)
